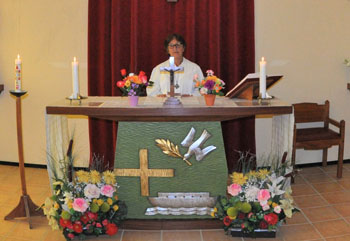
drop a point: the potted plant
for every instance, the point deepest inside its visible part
(210, 87)
(133, 85)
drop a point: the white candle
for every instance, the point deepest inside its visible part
(172, 61)
(262, 79)
(75, 77)
(18, 70)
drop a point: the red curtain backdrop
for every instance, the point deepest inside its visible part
(130, 34)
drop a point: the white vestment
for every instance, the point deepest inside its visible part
(184, 79)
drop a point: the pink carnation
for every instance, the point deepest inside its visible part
(263, 195)
(234, 189)
(107, 190)
(80, 205)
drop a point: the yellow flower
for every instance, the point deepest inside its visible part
(110, 201)
(127, 83)
(252, 173)
(239, 178)
(57, 183)
(95, 177)
(83, 176)
(53, 223)
(115, 207)
(287, 207)
(232, 217)
(100, 202)
(70, 204)
(116, 197)
(274, 204)
(262, 174)
(56, 206)
(109, 177)
(48, 206)
(269, 202)
(213, 213)
(94, 200)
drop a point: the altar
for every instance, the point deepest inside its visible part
(151, 109)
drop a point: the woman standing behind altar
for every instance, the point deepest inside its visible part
(175, 46)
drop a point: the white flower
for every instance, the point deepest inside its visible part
(68, 196)
(275, 189)
(265, 207)
(203, 91)
(91, 191)
(277, 209)
(251, 194)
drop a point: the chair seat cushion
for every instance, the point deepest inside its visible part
(316, 134)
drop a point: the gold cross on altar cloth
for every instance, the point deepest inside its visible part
(144, 173)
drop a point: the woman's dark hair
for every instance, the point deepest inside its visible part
(172, 36)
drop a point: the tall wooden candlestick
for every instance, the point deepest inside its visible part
(25, 207)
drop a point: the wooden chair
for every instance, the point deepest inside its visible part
(317, 138)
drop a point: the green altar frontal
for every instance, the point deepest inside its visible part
(137, 154)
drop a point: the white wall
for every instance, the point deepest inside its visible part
(47, 34)
(307, 42)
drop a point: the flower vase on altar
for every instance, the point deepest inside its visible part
(209, 99)
(209, 87)
(133, 100)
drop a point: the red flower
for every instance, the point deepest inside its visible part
(242, 226)
(120, 84)
(263, 225)
(105, 222)
(70, 235)
(98, 225)
(123, 72)
(111, 229)
(77, 227)
(142, 73)
(65, 223)
(85, 218)
(271, 218)
(92, 216)
(143, 78)
(227, 221)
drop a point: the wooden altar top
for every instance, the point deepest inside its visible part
(152, 109)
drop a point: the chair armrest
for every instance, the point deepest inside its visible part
(334, 122)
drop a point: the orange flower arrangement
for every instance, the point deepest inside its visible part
(210, 85)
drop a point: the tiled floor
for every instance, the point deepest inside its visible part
(323, 199)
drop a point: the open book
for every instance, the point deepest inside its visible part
(248, 88)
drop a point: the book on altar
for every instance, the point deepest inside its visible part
(248, 88)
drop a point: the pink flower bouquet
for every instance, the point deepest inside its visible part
(87, 206)
(259, 199)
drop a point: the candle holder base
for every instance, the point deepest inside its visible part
(172, 101)
(18, 93)
(79, 98)
(268, 97)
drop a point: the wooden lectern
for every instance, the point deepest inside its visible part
(248, 88)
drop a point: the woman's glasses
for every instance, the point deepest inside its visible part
(174, 46)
